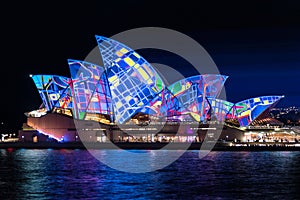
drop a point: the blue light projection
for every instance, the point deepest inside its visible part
(91, 89)
(248, 110)
(55, 91)
(128, 85)
(133, 82)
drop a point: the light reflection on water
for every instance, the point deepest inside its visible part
(137, 161)
(76, 174)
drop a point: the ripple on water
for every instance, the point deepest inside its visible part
(75, 174)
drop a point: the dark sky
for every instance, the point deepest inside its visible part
(257, 44)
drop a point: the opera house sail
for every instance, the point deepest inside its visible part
(127, 90)
(91, 90)
(133, 81)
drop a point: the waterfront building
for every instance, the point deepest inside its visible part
(127, 100)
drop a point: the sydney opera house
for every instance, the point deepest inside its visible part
(127, 99)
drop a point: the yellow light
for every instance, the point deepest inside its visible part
(123, 50)
(129, 61)
(256, 100)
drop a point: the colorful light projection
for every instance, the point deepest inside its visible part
(128, 84)
(248, 110)
(219, 109)
(133, 81)
(91, 89)
(55, 91)
(164, 105)
(193, 91)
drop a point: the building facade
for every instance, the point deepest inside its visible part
(127, 100)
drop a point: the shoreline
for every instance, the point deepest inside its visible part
(152, 146)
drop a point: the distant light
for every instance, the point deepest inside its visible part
(30, 75)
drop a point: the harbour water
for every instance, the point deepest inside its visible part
(76, 174)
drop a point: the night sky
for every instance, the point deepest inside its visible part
(257, 44)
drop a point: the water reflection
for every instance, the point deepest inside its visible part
(137, 161)
(76, 174)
